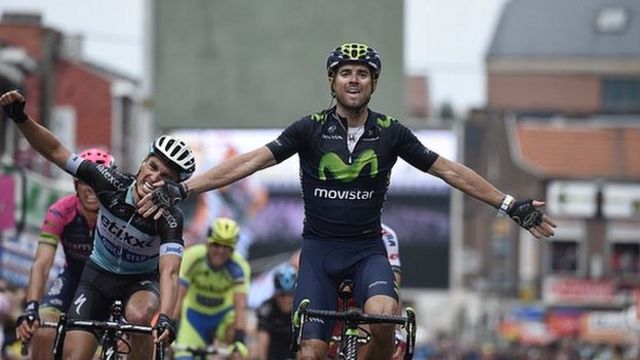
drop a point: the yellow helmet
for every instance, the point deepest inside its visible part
(224, 231)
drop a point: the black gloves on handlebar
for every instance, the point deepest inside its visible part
(30, 314)
(15, 111)
(169, 194)
(525, 214)
(166, 323)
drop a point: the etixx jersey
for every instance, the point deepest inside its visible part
(125, 242)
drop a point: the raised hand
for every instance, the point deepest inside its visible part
(13, 105)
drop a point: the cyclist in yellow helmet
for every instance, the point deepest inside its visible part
(212, 301)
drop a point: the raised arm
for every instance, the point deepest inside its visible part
(467, 181)
(40, 138)
(525, 212)
(232, 170)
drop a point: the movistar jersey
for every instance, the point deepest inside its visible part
(344, 191)
(125, 242)
(211, 290)
(64, 224)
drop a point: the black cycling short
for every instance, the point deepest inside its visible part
(324, 264)
(98, 289)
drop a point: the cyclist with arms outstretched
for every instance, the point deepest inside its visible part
(346, 155)
(212, 302)
(134, 259)
(70, 222)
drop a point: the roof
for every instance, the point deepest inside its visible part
(568, 29)
(579, 150)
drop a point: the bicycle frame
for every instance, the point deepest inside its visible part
(109, 340)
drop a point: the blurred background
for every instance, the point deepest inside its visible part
(541, 97)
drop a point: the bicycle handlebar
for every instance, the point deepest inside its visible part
(355, 316)
(109, 325)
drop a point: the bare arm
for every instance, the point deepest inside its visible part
(232, 170)
(40, 138)
(169, 268)
(472, 184)
(240, 307)
(467, 181)
(182, 291)
(262, 346)
(229, 171)
(45, 254)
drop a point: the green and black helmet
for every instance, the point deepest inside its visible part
(354, 53)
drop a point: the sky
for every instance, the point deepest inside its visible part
(444, 39)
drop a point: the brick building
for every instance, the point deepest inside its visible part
(84, 104)
(562, 124)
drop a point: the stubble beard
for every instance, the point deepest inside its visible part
(354, 109)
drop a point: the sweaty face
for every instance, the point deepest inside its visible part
(353, 85)
(219, 254)
(87, 196)
(151, 171)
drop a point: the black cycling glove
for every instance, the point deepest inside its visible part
(166, 323)
(15, 111)
(30, 314)
(525, 214)
(169, 194)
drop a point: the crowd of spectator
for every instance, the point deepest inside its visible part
(12, 301)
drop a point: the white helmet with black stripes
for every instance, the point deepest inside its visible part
(176, 153)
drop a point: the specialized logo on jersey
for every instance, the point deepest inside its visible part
(332, 163)
(79, 302)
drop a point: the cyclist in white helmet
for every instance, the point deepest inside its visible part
(134, 259)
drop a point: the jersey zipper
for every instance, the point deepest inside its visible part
(346, 142)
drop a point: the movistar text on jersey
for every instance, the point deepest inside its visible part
(342, 194)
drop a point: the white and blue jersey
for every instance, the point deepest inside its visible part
(125, 242)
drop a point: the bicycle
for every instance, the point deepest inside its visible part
(351, 319)
(113, 331)
(204, 353)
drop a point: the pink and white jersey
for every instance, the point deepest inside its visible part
(64, 223)
(393, 249)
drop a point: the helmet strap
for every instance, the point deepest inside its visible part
(331, 90)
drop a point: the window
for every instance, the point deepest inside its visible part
(564, 257)
(621, 94)
(625, 258)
